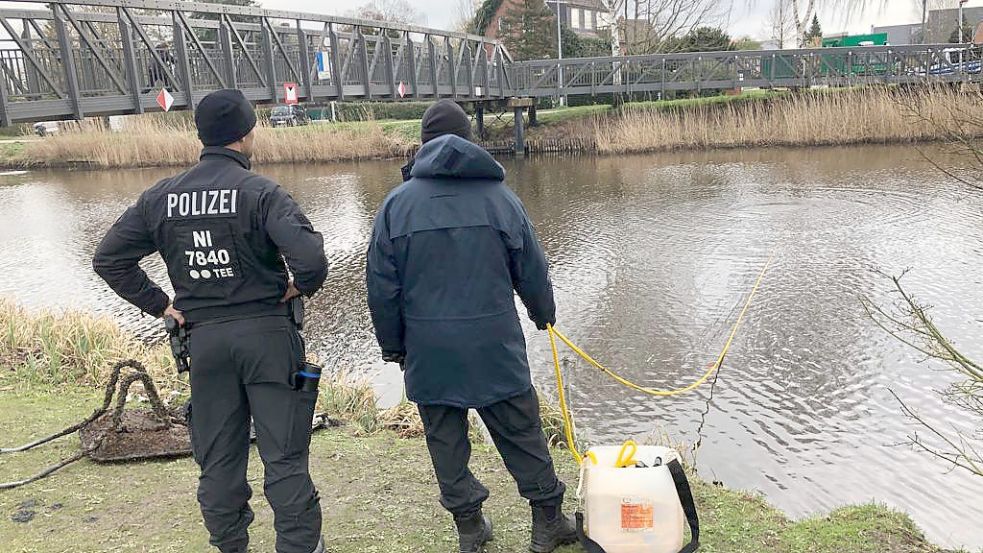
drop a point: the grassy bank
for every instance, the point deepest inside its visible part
(75, 350)
(378, 493)
(755, 118)
(378, 488)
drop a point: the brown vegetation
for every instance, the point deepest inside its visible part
(72, 348)
(867, 115)
(811, 118)
(150, 141)
(49, 348)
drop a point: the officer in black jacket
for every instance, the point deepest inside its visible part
(224, 233)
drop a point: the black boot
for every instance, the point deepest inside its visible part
(551, 529)
(474, 531)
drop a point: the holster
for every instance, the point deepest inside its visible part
(297, 312)
(178, 338)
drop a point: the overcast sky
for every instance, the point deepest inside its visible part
(740, 17)
(745, 17)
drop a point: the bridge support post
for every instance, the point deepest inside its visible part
(33, 85)
(68, 61)
(363, 53)
(479, 119)
(451, 65)
(389, 65)
(336, 63)
(520, 132)
(130, 59)
(305, 66)
(432, 55)
(225, 37)
(183, 63)
(4, 116)
(519, 106)
(411, 64)
(268, 58)
(469, 66)
(533, 116)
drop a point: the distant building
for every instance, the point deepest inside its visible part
(939, 27)
(941, 23)
(587, 18)
(900, 35)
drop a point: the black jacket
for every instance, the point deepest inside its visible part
(449, 250)
(224, 233)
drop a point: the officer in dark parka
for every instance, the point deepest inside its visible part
(449, 249)
(224, 233)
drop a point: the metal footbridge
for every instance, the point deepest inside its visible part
(69, 59)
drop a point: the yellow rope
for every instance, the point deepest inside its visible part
(567, 420)
(565, 410)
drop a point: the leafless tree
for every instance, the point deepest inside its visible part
(465, 14)
(802, 18)
(781, 23)
(909, 321)
(392, 11)
(649, 25)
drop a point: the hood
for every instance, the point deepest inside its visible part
(453, 157)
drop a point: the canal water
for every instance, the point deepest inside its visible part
(652, 258)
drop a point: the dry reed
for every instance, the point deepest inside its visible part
(868, 115)
(148, 141)
(50, 348)
(403, 419)
(72, 347)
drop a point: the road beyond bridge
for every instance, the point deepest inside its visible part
(69, 59)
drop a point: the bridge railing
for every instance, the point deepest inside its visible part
(122, 52)
(727, 70)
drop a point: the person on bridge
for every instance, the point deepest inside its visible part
(224, 233)
(449, 249)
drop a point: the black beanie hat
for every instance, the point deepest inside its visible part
(224, 117)
(445, 117)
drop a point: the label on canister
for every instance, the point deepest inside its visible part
(637, 515)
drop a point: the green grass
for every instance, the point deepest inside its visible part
(564, 115)
(410, 129)
(9, 151)
(379, 495)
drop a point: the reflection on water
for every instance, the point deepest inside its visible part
(652, 258)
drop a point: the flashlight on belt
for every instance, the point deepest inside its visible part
(307, 378)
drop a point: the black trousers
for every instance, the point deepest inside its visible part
(517, 431)
(240, 369)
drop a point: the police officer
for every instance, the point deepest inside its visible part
(449, 249)
(224, 233)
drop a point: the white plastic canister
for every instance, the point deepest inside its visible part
(634, 509)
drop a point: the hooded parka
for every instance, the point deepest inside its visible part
(450, 248)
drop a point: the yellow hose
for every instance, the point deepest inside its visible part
(564, 408)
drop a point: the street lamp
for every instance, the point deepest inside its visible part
(962, 38)
(559, 52)
(924, 21)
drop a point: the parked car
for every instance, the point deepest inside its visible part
(954, 60)
(289, 116)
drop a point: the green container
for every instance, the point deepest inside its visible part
(877, 39)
